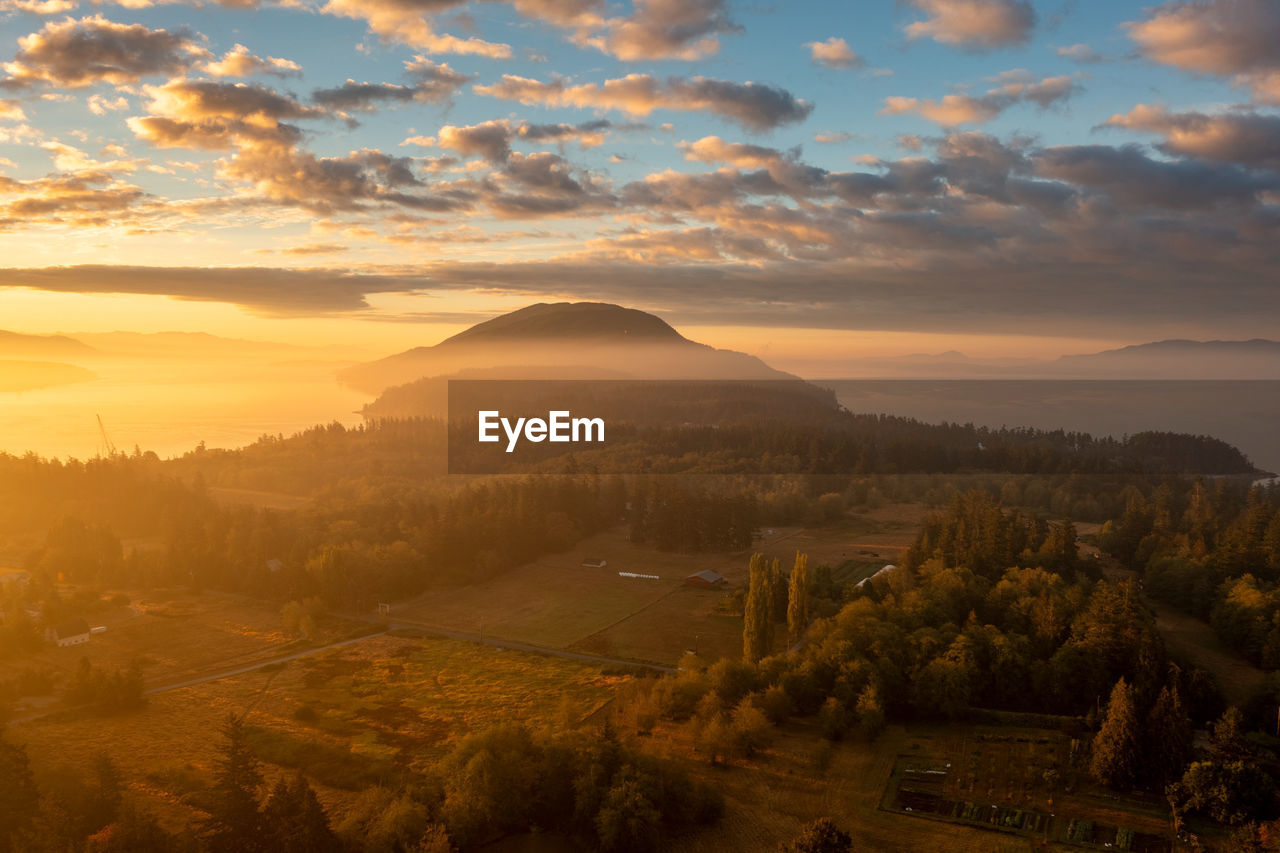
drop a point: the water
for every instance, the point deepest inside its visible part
(170, 406)
(1245, 413)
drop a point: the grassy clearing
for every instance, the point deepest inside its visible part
(375, 710)
(178, 633)
(558, 603)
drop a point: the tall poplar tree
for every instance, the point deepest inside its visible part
(798, 597)
(757, 622)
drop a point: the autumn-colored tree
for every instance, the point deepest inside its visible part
(1117, 748)
(757, 621)
(821, 836)
(798, 597)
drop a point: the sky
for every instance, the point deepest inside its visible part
(804, 178)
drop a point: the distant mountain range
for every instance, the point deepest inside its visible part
(18, 345)
(579, 340)
(1172, 359)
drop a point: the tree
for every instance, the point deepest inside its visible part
(1168, 738)
(627, 821)
(294, 820)
(20, 795)
(821, 836)
(1117, 748)
(1231, 792)
(234, 824)
(798, 598)
(757, 624)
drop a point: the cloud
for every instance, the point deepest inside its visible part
(834, 53)
(1132, 180)
(436, 84)
(832, 137)
(1247, 138)
(409, 22)
(490, 140)
(239, 62)
(12, 109)
(100, 105)
(666, 29)
(974, 25)
(1082, 53)
(958, 109)
(75, 54)
(755, 106)
(588, 134)
(1235, 38)
(264, 290)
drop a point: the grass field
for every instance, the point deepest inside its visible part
(374, 710)
(558, 603)
(179, 633)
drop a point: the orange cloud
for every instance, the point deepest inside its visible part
(76, 54)
(1236, 38)
(834, 53)
(976, 25)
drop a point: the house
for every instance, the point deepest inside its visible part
(72, 632)
(14, 576)
(862, 582)
(705, 579)
(594, 563)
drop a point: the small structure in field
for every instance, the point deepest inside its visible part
(17, 577)
(72, 632)
(864, 581)
(705, 579)
(594, 563)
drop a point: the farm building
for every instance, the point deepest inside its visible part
(14, 576)
(72, 632)
(594, 563)
(705, 579)
(863, 582)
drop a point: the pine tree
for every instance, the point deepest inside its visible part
(798, 598)
(1117, 747)
(234, 824)
(1168, 738)
(18, 793)
(294, 820)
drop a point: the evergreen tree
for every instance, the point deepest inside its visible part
(18, 794)
(294, 820)
(1168, 738)
(798, 598)
(234, 824)
(1117, 748)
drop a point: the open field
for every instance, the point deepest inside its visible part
(374, 710)
(558, 603)
(177, 635)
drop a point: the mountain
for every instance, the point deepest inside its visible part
(18, 345)
(1180, 359)
(578, 340)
